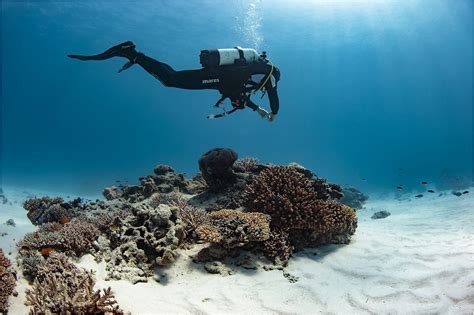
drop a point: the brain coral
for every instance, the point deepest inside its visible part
(233, 228)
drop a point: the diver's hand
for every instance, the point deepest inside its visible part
(262, 112)
(271, 117)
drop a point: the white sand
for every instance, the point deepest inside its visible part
(419, 260)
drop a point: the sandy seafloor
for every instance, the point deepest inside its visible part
(419, 260)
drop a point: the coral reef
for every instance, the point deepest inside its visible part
(29, 262)
(216, 168)
(46, 209)
(147, 237)
(239, 206)
(192, 217)
(301, 215)
(285, 194)
(278, 246)
(353, 198)
(325, 190)
(75, 238)
(62, 288)
(164, 180)
(233, 228)
(246, 165)
(7, 282)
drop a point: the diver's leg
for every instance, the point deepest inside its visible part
(187, 79)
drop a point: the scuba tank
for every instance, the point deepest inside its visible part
(227, 56)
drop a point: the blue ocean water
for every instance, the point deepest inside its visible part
(367, 87)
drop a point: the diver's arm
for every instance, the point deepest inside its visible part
(262, 112)
(273, 97)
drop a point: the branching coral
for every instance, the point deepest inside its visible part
(301, 216)
(290, 199)
(7, 281)
(62, 288)
(278, 246)
(192, 217)
(75, 238)
(285, 194)
(233, 228)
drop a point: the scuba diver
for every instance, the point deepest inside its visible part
(237, 73)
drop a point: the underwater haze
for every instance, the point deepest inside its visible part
(367, 88)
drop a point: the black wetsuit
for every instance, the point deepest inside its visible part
(233, 81)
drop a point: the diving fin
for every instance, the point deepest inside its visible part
(125, 49)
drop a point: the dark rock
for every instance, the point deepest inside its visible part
(353, 198)
(216, 168)
(380, 215)
(10, 222)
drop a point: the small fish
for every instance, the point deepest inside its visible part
(400, 169)
(465, 192)
(363, 179)
(400, 187)
(431, 191)
(457, 193)
(440, 194)
(64, 220)
(419, 196)
(45, 251)
(424, 183)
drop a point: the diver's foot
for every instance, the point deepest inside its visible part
(125, 49)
